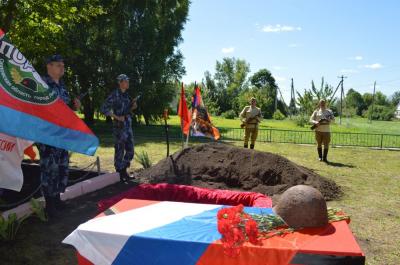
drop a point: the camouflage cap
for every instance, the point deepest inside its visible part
(54, 58)
(122, 77)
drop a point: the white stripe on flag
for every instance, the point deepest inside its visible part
(101, 239)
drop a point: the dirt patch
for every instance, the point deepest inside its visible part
(221, 166)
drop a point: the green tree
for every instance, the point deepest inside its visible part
(38, 27)
(230, 78)
(263, 81)
(306, 102)
(395, 98)
(356, 101)
(367, 97)
(101, 39)
(309, 100)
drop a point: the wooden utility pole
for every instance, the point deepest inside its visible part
(372, 106)
(292, 103)
(341, 98)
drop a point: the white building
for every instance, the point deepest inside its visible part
(397, 112)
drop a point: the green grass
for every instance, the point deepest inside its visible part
(355, 125)
(370, 180)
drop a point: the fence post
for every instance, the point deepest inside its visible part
(98, 165)
(381, 141)
(270, 135)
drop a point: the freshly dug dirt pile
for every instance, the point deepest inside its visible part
(221, 166)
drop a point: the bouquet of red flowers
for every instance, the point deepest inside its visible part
(238, 227)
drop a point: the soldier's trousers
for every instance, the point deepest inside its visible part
(124, 148)
(250, 133)
(54, 171)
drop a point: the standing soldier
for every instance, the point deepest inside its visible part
(321, 119)
(54, 161)
(119, 105)
(250, 116)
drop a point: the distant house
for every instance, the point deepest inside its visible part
(397, 112)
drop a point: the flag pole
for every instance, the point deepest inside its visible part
(187, 136)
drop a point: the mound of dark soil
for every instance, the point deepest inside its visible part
(221, 166)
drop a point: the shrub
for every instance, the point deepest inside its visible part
(278, 115)
(381, 113)
(230, 114)
(301, 120)
(143, 159)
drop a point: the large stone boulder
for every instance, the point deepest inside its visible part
(302, 206)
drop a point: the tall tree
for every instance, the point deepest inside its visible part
(356, 101)
(395, 98)
(265, 82)
(230, 79)
(138, 38)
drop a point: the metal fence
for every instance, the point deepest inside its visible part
(383, 141)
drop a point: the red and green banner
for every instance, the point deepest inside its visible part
(30, 110)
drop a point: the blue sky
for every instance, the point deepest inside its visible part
(299, 39)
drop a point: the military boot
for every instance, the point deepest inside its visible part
(59, 204)
(325, 157)
(251, 146)
(50, 208)
(123, 175)
(319, 153)
(246, 146)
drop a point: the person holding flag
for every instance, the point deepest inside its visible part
(54, 162)
(38, 109)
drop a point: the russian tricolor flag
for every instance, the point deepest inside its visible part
(29, 110)
(166, 233)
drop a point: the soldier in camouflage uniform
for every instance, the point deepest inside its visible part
(119, 105)
(54, 161)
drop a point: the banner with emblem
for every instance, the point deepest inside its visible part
(29, 110)
(201, 120)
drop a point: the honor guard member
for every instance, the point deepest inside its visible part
(321, 119)
(250, 116)
(54, 162)
(119, 106)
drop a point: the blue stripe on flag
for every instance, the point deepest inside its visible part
(19, 124)
(182, 242)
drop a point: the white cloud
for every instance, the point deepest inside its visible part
(373, 66)
(228, 50)
(356, 58)
(279, 28)
(293, 45)
(349, 71)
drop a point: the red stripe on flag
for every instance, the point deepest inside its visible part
(50, 113)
